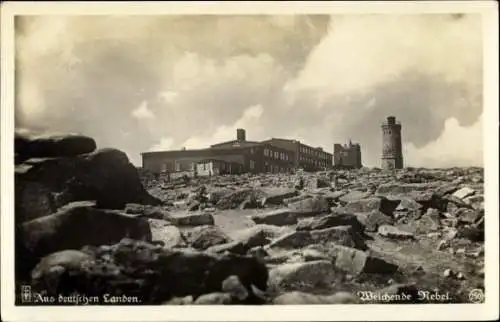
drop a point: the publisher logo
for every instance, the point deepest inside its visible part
(26, 295)
(476, 296)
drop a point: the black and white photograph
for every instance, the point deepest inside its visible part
(249, 159)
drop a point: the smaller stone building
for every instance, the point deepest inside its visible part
(347, 155)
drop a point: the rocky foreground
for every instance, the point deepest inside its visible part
(90, 226)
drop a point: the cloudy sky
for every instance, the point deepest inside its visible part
(147, 83)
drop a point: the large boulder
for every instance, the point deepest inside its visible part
(105, 176)
(152, 274)
(74, 226)
(302, 276)
(45, 145)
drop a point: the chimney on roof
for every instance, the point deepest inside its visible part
(240, 135)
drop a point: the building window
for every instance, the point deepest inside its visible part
(276, 155)
(266, 152)
(252, 164)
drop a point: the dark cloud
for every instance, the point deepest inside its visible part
(133, 82)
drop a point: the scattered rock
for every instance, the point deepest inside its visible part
(199, 219)
(277, 198)
(394, 232)
(187, 300)
(279, 217)
(354, 195)
(383, 205)
(331, 221)
(217, 298)
(203, 237)
(169, 235)
(234, 247)
(467, 216)
(294, 239)
(234, 199)
(302, 276)
(372, 220)
(341, 235)
(258, 235)
(152, 274)
(354, 261)
(430, 221)
(463, 193)
(310, 206)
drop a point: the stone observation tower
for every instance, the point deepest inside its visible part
(392, 152)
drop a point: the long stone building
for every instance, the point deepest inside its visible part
(274, 155)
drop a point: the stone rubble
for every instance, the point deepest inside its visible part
(88, 222)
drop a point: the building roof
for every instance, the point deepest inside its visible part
(291, 142)
(196, 152)
(235, 143)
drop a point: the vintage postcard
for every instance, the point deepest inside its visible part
(245, 161)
